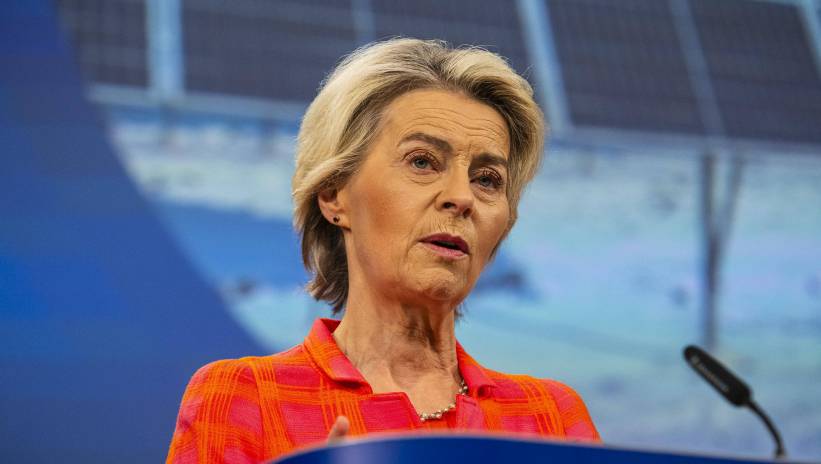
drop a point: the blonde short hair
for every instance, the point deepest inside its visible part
(344, 118)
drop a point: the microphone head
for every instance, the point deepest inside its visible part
(724, 381)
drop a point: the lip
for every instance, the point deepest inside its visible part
(438, 243)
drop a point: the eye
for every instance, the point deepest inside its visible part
(423, 161)
(489, 179)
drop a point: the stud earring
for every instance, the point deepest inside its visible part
(336, 219)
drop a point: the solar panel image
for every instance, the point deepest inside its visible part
(760, 62)
(110, 36)
(622, 65)
(491, 24)
(152, 150)
(257, 48)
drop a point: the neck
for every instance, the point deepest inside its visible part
(398, 346)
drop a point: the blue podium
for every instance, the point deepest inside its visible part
(464, 448)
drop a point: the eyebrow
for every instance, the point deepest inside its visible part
(443, 145)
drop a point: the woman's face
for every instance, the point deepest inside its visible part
(426, 209)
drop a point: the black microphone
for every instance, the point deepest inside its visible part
(731, 387)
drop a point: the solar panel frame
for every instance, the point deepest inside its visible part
(110, 39)
(489, 24)
(613, 78)
(270, 50)
(761, 63)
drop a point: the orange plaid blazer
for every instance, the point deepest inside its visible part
(257, 408)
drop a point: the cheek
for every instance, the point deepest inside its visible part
(492, 231)
(384, 219)
(370, 205)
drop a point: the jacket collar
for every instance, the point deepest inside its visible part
(325, 353)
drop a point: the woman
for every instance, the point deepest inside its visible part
(410, 165)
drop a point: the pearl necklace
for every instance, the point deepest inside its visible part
(425, 416)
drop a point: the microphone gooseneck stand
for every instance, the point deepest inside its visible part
(732, 388)
(779, 445)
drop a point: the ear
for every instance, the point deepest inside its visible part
(332, 206)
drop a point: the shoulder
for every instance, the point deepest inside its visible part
(225, 382)
(222, 373)
(221, 412)
(520, 386)
(229, 374)
(219, 407)
(566, 398)
(569, 406)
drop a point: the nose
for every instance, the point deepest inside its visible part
(456, 196)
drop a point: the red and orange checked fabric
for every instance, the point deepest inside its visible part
(255, 409)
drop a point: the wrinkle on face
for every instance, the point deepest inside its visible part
(392, 207)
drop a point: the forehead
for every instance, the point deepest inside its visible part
(461, 120)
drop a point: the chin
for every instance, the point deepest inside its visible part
(444, 286)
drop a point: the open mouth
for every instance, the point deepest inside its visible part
(450, 245)
(448, 242)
